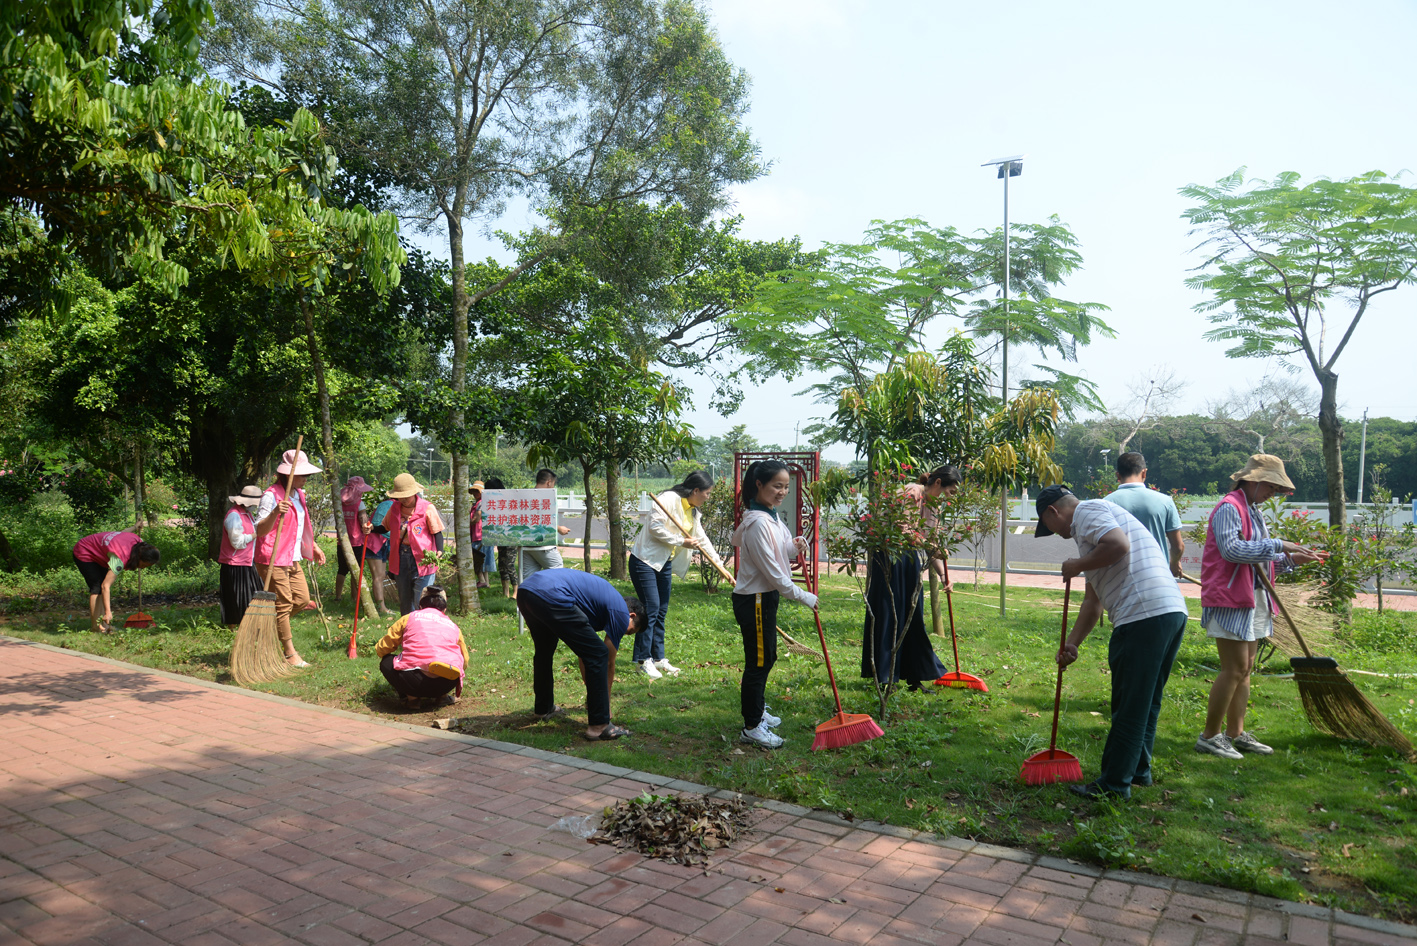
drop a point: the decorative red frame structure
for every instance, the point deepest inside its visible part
(804, 518)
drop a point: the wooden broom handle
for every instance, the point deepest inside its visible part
(716, 563)
(1269, 586)
(275, 547)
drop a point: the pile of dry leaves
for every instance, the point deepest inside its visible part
(681, 830)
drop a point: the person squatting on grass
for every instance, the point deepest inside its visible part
(239, 578)
(661, 552)
(1126, 574)
(101, 558)
(416, 540)
(766, 549)
(1236, 609)
(284, 503)
(431, 656)
(564, 604)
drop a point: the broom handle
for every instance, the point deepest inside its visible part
(1269, 586)
(713, 560)
(830, 675)
(358, 594)
(1191, 578)
(1058, 694)
(280, 521)
(950, 604)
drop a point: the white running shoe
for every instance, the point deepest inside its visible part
(761, 736)
(1247, 743)
(666, 667)
(769, 721)
(1219, 744)
(650, 670)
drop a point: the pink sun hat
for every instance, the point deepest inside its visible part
(297, 464)
(354, 487)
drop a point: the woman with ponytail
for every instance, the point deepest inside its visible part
(661, 552)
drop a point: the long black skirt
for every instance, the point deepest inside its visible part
(916, 661)
(238, 584)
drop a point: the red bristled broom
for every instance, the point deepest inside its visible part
(957, 679)
(843, 729)
(1052, 764)
(358, 594)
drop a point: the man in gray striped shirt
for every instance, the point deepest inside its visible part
(1128, 575)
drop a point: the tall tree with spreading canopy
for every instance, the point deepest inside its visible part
(573, 104)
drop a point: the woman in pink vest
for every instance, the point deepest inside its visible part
(239, 580)
(101, 558)
(415, 532)
(432, 656)
(1236, 610)
(284, 503)
(352, 499)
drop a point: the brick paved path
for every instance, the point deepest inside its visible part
(138, 808)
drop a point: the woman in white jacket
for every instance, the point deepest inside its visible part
(660, 553)
(766, 549)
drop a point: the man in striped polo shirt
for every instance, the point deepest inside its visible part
(1128, 575)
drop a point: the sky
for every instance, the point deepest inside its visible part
(886, 110)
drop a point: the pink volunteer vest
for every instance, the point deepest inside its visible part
(420, 539)
(428, 637)
(286, 553)
(100, 545)
(243, 556)
(1227, 584)
(351, 522)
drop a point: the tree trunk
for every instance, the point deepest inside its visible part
(614, 513)
(589, 517)
(467, 577)
(7, 555)
(343, 547)
(1341, 587)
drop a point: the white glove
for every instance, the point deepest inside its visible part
(809, 599)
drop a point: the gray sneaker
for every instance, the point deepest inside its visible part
(1219, 744)
(760, 735)
(769, 721)
(1247, 743)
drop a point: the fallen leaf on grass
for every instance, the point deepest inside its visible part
(1347, 848)
(1333, 825)
(910, 804)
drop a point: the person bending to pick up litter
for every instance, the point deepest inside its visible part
(564, 604)
(432, 656)
(1235, 607)
(1128, 575)
(661, 552)
(766, 549)
(101, 558)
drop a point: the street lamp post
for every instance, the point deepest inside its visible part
(1011, 166)
(430, 464)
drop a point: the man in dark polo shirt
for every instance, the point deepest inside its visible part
(564, 604)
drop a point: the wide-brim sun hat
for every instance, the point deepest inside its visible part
(404, 486)
(297, 464)
(476, 487)
(1263, 468)
(354, 487)
(249, 496)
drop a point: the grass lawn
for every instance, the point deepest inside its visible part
(1320, 820)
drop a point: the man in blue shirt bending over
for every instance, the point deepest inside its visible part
(1156, 510)
(564, 604)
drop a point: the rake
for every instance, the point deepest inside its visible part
(1052, 764)
(966, 681)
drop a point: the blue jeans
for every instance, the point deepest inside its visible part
(652, 587)
(410, 583)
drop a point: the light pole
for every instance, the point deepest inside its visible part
(1011, 166)
(430, 464)
(1362, 456)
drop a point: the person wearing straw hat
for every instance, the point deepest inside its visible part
(415, 533)
(1236, 610)
(239, 579)
(351, 497)
(1129, 576)
(284, 503)
(474, 529)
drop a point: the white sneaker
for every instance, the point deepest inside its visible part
(666, 667)
(1247, 743)
(769, 721)
(1219, 744)
(761, 736)
(649, 669)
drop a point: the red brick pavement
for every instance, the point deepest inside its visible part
(139, 809)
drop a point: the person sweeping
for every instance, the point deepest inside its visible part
(766, 549)
(284, 502)
(1129, 576)
(661, 552)
(101, 558)
(239, 578)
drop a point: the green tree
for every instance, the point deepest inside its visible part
(1382, 542)
(574, 103)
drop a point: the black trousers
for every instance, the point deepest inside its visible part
(550, 624)
(757, 619)
(1140, 656)
(408, 683)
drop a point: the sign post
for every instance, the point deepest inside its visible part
(519, 518)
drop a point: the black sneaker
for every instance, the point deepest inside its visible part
(1094, 789)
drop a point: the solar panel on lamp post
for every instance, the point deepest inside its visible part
(1011, 166)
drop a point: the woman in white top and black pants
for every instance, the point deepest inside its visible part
(766, 549)
(662, 551)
